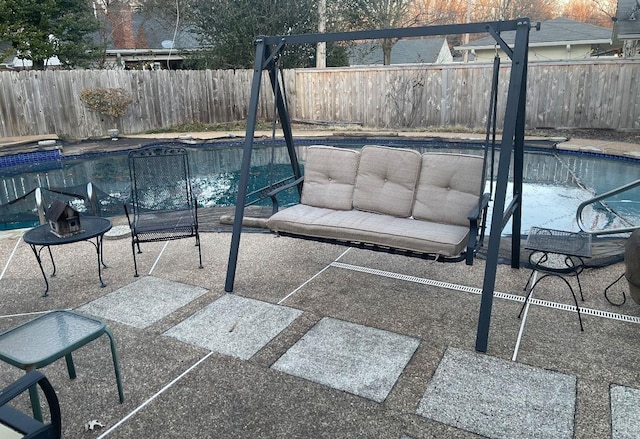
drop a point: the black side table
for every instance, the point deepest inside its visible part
(557, 253)
(41, 236)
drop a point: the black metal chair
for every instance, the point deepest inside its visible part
(14, 423)
(162, 201)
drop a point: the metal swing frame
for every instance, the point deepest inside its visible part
(269, 49)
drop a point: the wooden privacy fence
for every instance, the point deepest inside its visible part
(583, 94)
(46, 102)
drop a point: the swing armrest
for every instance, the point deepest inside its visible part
(274, 193)
(475, 213)
(479, 211)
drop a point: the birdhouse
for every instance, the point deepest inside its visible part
(63, 219)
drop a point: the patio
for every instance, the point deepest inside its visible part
(267, 360)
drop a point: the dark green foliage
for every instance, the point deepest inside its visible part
(337, 55)
(41, 29)
(229, 27)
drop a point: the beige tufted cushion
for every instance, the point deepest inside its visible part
(449, 187)
(329, 177)
(386, 180)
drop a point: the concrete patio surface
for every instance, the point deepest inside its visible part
(323, 341)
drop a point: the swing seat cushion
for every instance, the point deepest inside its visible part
(448, 188)
(371, 228)
(330, 176)
(401, 199)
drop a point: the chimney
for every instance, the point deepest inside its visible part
(121, 25)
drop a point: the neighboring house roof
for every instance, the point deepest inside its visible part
(151, 38)
(627, 24)
(151, 33)
(557, 32)
(138, 37)
(406, 51)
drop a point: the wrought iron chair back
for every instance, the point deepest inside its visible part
(162, 201)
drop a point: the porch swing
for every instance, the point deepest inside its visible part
(268, 51)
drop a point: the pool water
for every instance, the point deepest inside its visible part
(555, 183)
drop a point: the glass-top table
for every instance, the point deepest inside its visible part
(51, 336)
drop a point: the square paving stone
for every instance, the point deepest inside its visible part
(625, 420)
(144, 302)
(346, 356)
(500, 399)
(234, 325)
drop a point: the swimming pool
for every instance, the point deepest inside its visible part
(555, 182)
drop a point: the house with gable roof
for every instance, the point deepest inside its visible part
(138, 40)
(404, 51)
(559, 39)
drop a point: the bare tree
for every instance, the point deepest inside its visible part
(382, 14)
(598, 12)
(441, 12)
(511, 9)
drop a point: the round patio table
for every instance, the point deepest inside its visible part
(41, 237)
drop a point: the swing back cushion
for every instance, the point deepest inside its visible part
(386, 180)
(329, 177)
(390, 204)
(451, 180)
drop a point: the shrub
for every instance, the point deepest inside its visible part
(109, 101)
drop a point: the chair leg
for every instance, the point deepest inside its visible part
(35, 399)
(576, 302)
(135, 264)
(116, 366)
(579, 286)
(199, 249)
(526, 299)
(606, 292)
(528, 280)
(575, 299)
(70, 366)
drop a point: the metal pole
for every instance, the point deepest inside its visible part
(285, 120)
(245, 168)
(514, 121)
